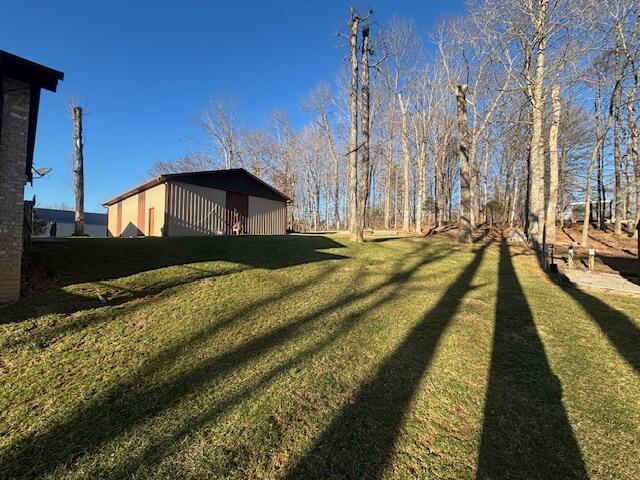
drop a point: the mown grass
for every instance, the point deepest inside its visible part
(310, 356)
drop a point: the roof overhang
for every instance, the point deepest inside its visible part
(177, 176)
(29, 72)
(140, 188)
(37, 77)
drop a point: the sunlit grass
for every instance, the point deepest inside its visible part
(306, 356)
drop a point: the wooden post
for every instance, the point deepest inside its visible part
(570, 258)
(592, 260)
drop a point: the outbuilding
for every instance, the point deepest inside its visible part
(95, 224)
(215, 202)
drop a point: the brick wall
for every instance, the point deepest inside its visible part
(13, 155)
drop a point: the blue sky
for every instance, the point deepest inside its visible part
(145, 69)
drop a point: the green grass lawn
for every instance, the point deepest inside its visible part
(312, 357)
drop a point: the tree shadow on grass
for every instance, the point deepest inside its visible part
(77, 261)
(81, 260)
(156, 451)
(60, 301)
(131, 403)
(127, 404)
(526, 432)
(359, 441)
(620, 330)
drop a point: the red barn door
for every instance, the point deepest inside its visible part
(237, 212)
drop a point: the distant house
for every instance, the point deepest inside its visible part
(575, 211)
(217, 202)
(20, 84)
(95, 224)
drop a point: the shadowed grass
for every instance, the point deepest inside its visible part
(525, 428)
(325, 358)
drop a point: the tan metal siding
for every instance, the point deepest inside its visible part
(266, 217)
(130, 217)
(112, 220)
(195, 210)
(133, 223)
(155, 199)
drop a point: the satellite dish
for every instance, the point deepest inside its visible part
(41, 172)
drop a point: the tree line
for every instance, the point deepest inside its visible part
(505, 114)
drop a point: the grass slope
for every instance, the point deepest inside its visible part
(309, 356)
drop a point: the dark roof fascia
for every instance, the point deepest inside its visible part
(140, 188)
(29, 72)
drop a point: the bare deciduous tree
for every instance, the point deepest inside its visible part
(220, 123)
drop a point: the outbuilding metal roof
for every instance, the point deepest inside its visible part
(68, 216)
(237, 180)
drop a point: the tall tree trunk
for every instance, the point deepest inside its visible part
(437, 199)
(78, 170)
(365, 125)
(552, 204)
(336, 194)
(336, 173)
(317, 207)
(395, 203)
(617, 155)
(353, 130)
(514, 199)
(485, 196)
(464, 234)
(404, 109)
(474, 210)
(633, 148)
(587, 205)
(422, 158)
(388, 180)
(628, 183)
(594, 155)
(562, 181)
(601, 191)
(326, 209)
(536, 202)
